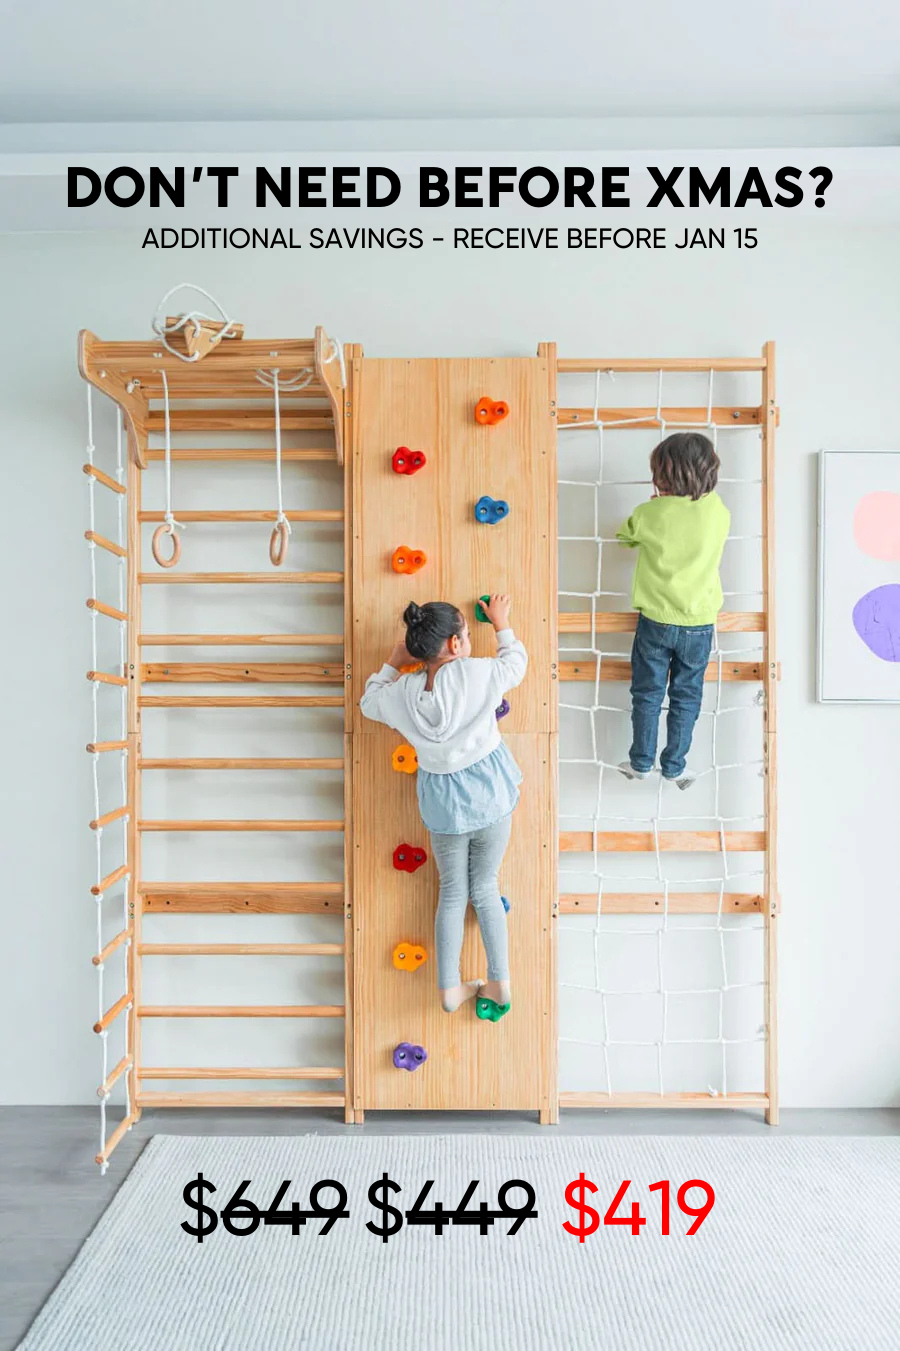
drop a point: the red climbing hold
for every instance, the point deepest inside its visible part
(406, 461)
(407, 858)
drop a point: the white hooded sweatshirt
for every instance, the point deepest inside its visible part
(453, 725)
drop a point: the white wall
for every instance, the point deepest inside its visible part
(828, 295)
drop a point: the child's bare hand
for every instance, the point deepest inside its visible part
(400, 656)
(497, 610)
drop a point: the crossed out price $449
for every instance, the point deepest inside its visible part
(588, 1221)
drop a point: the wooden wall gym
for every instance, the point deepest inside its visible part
(429, 405)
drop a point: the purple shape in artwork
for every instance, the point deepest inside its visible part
(876, 618)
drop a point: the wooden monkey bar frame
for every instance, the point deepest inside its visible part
(333, 401)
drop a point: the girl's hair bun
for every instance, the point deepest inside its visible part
(429, 626)
(412, 615)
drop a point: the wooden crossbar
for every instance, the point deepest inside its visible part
(252, 455)
(263, 673)
(114, 1075)
(122, 937)
(272, 578)
(241, 640)
(625, 621)
(642, 419)
(105, 678)
(249, 1099)
(740, 1101)
(141, 359)
(247, 701)
(97, 747)
(242, 1072)
(108, 610)
(311, 762)
(653, 903)
(103, 543)
(241, 950)
(612, 668)
(239, 420)
(231, 898)
(108, 817)
(206, 517)
(98, 474)
(576, 365)
(146, 826)
(670, 841)
(240, 1011)
(112, 1014)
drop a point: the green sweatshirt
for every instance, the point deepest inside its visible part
(676, 580)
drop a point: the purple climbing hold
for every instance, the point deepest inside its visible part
(503, 709)
(408, 1056)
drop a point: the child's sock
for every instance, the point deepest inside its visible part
(628, 769)
(458, 994)
(497, 990)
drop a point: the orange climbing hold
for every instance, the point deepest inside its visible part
(411, 667)
(405, 759)
(491, 411)
(408, 560)
(409, 956)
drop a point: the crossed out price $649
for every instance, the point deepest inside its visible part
(589, 1219)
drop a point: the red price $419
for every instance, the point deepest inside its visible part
(589, 1218)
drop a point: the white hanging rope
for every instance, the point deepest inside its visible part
(97, 731)
(661, 927)
(170, 524)
(193, 317)
(281, 532)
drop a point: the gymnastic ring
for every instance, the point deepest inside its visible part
(278, 544)
(166, 529)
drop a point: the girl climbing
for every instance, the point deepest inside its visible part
(467, 782)
(680, 534)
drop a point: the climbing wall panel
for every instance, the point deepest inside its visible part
(429, 406)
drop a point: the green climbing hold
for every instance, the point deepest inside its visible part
(490, 1010)
(479, 612)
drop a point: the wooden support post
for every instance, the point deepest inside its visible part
(769, 411)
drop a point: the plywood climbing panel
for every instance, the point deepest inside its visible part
(429, 406)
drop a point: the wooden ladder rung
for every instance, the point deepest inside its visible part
(313, 762)
(237, 1010)
(625, 621)
(612, 668)
(261, 825)
(272, 578)
(291, 454)
(260, 1098)
(103, 543)
(642, 419)
(242, 1072)
(741, 1101)
(247, 701)
(114, 1075)
(99, 477)
(118, 814)
(246, 419)
(588, 365)
(122, 1129)
(122, 937)
(653, 903)
(112, 1014)
(670, 841)
(234, 673)
(260, 898)
(189, 517)
(110, 880)
(241, 950)
(241, 639)
(105, 678)
(98, 747)
(108, 610)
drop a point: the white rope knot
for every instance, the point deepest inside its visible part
(192, 317)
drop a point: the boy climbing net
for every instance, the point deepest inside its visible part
(680, 534)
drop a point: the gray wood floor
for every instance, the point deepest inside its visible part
(52, 1194)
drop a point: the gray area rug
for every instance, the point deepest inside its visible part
(801, 1250)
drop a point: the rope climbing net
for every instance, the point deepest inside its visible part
(112, 878)
(670, 988)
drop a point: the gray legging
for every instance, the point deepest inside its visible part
(468, 866)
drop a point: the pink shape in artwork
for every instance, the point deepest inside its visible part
(876, 525)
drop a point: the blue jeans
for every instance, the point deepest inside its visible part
(666, 654)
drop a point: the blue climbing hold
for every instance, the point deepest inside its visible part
(505, 904)
(489, 512)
